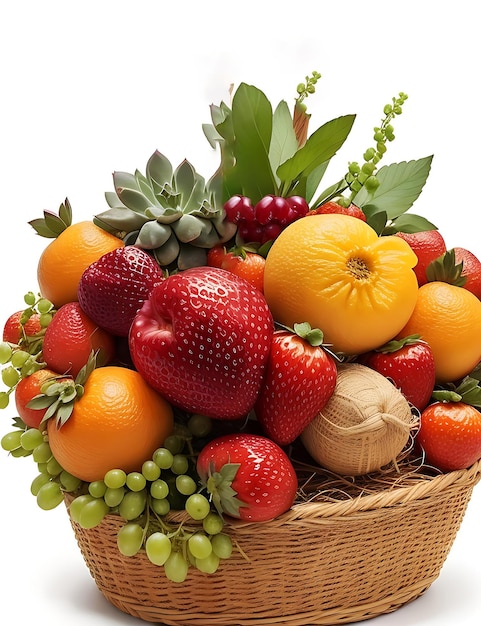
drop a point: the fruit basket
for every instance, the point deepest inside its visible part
(258, 402)
(319, 563)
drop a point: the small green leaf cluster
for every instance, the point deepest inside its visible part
(51, 225)
(25, 357)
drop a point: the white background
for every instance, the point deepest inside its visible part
(90, 87)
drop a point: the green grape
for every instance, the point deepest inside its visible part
(53, 466)
(42, 468)
(69, 482)
(45, 319)
(93, 512)
(4, 399)
(185, 484)
(42, 453)
(158, 548)
(31, 438)
(199, 425)
(130, 538)
(11, 441)
(180, 464)
(44, 305)
(197, 506)
(222, 545)
(113, 497)
(133, 504)
(97, 488)
(174, 443)
(38, 482)
(77, 505)
(150, 470)
(19, 452)
(10, 376)
(161, 507)
(49, 496)
(176, 567)
(163, 458)
(199, 545)
(19, 357)
(213, 523)
(115, 478)
(208, 565)
(5, 352)
(29, 298)
(159, 489)
(136, 481)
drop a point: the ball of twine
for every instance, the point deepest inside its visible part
(365, 425)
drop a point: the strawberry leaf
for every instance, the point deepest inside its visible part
(445, 269)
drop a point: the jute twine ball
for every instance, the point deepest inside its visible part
(364, 426)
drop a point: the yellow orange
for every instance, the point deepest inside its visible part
(117, 423)
(64, 260)
(449, 319)
(336, 273)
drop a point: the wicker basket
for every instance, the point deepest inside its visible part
(320, 563)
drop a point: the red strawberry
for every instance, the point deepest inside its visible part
(471, 270)
(334, 207)
(249, 476)
(71, 337)
(112, 289)
(450, 435)
(427, 245)
(409, 363)
(202, 340)
(300, 378)
(241, 262)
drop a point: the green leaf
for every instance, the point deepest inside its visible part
(252, 123)
(400, 184)
(284, 142)
(313, 180)
(320, 147)
(411, 223)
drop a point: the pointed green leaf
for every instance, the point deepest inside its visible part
(252, 123)
(411, 223)
(400, 184)
(65, 212)
(321, 146)
(159, 169)
(283, 142)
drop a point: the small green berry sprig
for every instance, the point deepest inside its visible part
(364, 175)
(306, 88)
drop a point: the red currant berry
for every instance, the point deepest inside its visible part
(271, 231)
(239, 208)
(299, 205)
(250, 231)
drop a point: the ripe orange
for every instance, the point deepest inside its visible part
(64, 260)
(336, 273)
(471, 270)
(117, 423)
(427, 245)
(26, 389)
(71, 337)
(448, 318)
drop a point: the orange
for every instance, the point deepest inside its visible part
(26, 389)
(64, 260)
(448, 318)
(336, 273)
(117, 423)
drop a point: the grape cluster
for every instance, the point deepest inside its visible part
(364, 175)
(24, 358)
(166, 482)
(52, 480)
(265, 220)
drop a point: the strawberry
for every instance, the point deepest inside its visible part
(112, 289)
(241, 262)
(71, 337)
(450, 435)
(202, 340)
(471, 270)
(248, 476)
(300, 378)
(334, 207)
(409, 364)
(18, 328)
(427, 245)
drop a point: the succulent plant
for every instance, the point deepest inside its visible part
(173, 213)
